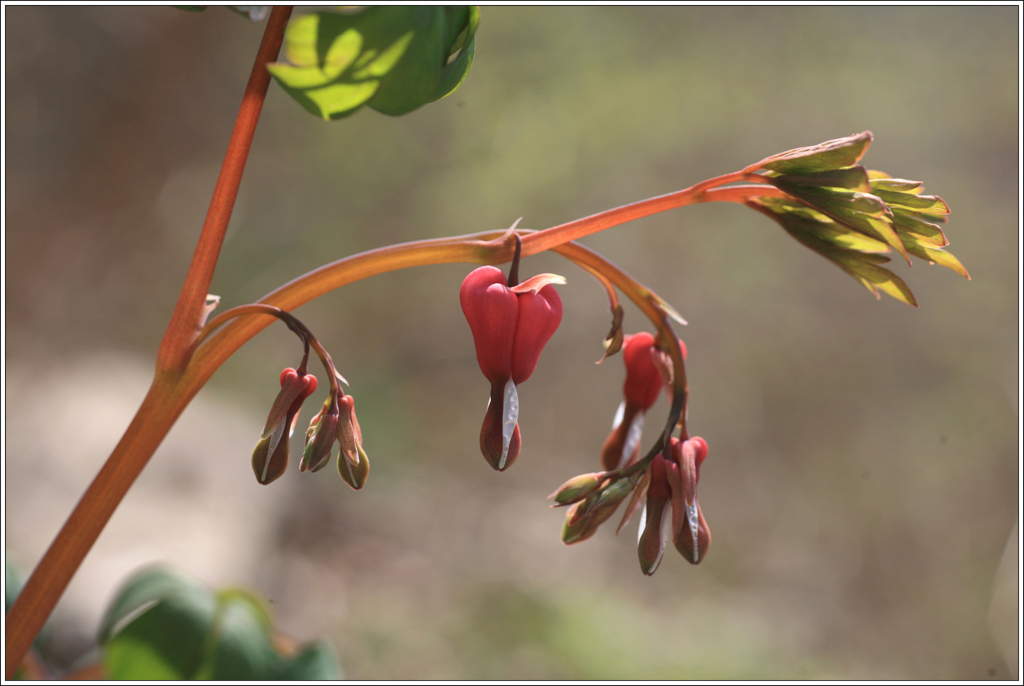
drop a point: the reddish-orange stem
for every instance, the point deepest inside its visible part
(704, 191)
(164, 402)
(186, 323)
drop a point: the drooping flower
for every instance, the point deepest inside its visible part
(647, 372)
(270, 457)
(510, 326)
(671, 511)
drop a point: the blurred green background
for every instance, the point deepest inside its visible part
(862, 484)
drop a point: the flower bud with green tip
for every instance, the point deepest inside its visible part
(577, 488)
(270, 457)
(320, 438)
(353, 464)
(585, 516)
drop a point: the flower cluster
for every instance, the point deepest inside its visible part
(664, 484)
(335, 422)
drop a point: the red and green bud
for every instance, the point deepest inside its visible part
(689, 530)
(320, 437)
(270, 457)
(510, 327)
(353, 464)
(577, 488)
(585, 516)
(656, 518)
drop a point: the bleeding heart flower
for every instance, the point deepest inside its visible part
(510, 326)
(647, 372)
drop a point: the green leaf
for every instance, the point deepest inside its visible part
(882, 181)
(853, 178)
(242, 648)
(394, 59)
(926, 251)
(164, 624)
(926, 204)
(456, 71)
(861, 211)
(464, 44)
(876, 278)
(163, 638)
(851, 251)
(143, 589)
(924, 232)
(834, 154)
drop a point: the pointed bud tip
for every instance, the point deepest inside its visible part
(576, 488)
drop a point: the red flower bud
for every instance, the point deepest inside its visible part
(656, 519)
(320, 438)
(689, 530)
(270, 457)
(643, 376)
(510, 327)
(672, 511)
(648, 370)
(353, 464)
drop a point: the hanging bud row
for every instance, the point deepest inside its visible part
(335, 422)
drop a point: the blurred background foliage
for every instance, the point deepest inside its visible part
(862, 483)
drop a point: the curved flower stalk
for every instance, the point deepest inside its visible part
(820, 195)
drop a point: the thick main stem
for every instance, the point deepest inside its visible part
(162, 404)
(185, 323)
